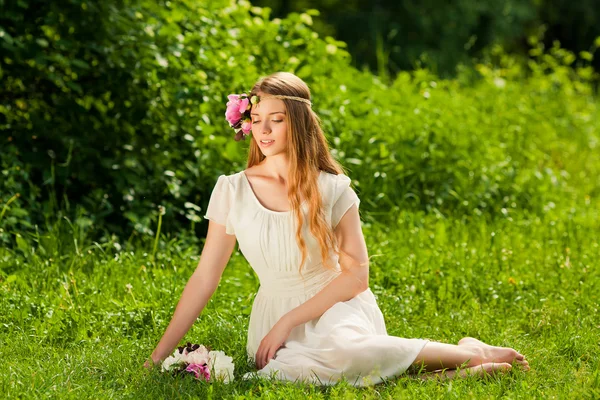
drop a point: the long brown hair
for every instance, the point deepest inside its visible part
(308, 153)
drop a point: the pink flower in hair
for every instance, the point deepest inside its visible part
(244, 103)
(232, 114)
(236, 107)
(246, 126)
(238, 114)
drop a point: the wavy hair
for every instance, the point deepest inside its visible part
(308, 153)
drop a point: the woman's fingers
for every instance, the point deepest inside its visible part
(266, 351)
(259, 355)
(271, 354)
(264, 354)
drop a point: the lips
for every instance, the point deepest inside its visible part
(262, 144)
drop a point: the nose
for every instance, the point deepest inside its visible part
(266, 128)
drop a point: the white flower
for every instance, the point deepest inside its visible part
(172, 360)
(221, 364)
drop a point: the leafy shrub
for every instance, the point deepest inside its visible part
(119, 108)
(110, 110)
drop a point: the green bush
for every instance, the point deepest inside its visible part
(513, 136)
(110, 110)
(389, 36)
(120, 108)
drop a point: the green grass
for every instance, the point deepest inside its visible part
(503, 158)
(70, 328)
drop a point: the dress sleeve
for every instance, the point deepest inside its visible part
(344, 197)
(220, 203)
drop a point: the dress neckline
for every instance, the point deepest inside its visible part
(253, 195)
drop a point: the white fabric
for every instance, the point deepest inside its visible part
(350, 338)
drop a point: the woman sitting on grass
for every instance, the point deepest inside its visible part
(295, 217)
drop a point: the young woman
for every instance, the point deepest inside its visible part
(295, 217)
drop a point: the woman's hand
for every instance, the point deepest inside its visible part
(151, 362)
(148, 364)
(272, 342)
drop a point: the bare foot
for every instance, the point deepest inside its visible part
(494, 354)
(477, 370)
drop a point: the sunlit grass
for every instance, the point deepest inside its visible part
(78, 321)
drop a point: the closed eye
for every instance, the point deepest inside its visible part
(275, 120)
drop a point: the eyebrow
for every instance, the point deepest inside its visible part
(275, 112)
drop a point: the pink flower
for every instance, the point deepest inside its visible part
(198, 356)
(246, 126)
(232, 114)
(244, 105)
(236, 108)
(199, 371)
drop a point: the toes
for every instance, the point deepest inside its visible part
(506, 366)
(516, 355)
(524, 365)
(503, 367)
(492, 368)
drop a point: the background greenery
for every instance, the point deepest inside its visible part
(479, 190)
(387, 36)
(109, 110)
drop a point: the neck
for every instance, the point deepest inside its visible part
(277, 166)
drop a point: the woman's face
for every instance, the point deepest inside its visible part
(269, 123)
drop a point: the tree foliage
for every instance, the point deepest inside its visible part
(388, 36)
(108, 110)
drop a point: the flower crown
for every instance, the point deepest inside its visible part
(238, 111)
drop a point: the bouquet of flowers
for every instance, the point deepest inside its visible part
(199, 361)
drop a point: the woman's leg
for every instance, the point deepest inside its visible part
(469, 352)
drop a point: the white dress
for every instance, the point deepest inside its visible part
(350, 338)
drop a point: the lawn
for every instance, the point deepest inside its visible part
(78, 318)
(480, 197)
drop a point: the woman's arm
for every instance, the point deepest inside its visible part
(353, 280)
(217, 251)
